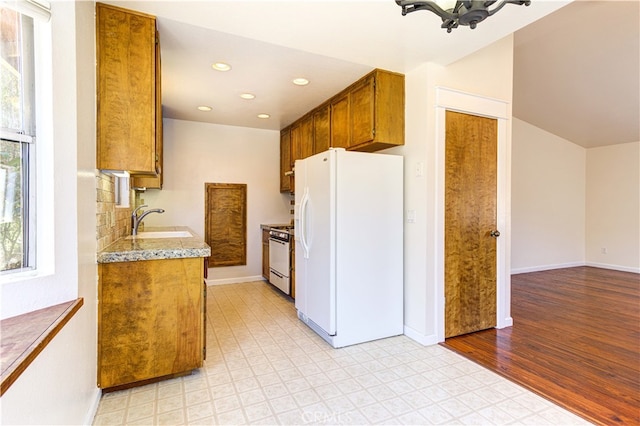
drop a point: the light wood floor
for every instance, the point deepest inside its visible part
(575, 341)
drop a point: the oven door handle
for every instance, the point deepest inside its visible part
(304, 203)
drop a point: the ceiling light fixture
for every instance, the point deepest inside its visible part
(300, 81)
(247, 96)
(204, 108)
(263, 116)
(221, 66)
(469, 12)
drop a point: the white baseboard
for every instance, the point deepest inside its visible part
(93, 409)
(546, 267)
(420, 338)
(507, 322)
(573, 265)
(236, 280)
(614, 267)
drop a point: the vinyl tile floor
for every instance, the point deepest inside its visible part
(266, 367)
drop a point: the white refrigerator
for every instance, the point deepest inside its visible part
(348, 222)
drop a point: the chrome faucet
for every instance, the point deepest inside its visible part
(135, 220)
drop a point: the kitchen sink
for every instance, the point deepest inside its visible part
(161, 234)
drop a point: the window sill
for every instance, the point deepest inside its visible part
(25, 336)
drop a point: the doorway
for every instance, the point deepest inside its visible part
(470, 223)
(498, 111)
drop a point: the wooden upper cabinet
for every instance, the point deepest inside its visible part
(362, 119)
(366, 116)
(129, 117)
(302, 138)
(376, 113)
(340, 130)
(385, 96)
(146, 180)
(321, 129)
(285, 161)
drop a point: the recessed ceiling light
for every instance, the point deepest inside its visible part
(204, 108)
(263, 116)
(247, 96)
(221, 66)
(300, 81)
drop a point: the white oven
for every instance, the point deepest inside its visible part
(279, 260)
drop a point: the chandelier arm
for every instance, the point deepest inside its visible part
(409, 6)
(504, 2)
(465, 12)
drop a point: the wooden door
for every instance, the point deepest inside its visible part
(226, 223)
(470, 217)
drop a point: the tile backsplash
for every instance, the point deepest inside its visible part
(112, 222)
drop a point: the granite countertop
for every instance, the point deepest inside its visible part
(276, 226)
(133, 249)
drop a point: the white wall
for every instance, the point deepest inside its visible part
(548, 200)
(59, 387)
(568, 203)
(491, 70)
(613, 207)
(195, 153)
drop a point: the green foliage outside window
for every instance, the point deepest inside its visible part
(16, 116)
(11, 223)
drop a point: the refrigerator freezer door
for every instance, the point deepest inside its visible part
(369, 241)
(315, 231)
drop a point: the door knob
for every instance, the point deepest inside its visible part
(495, 233)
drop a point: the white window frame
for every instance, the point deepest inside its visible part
(29, 290)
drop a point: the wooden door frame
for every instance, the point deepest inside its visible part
(455, 100)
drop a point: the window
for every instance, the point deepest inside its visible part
(17, 148)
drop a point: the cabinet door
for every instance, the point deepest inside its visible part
(362, 112)
(302, 138)
(150, 319)
(149, 181)
(296, 143)
(321, 135)
(292, 274)
(265, 254)
(285, 160)
(307, 136)
(340, 132)
(126, 83)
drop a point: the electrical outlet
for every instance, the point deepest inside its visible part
(419, 169)
(411, 216)
(603, 250)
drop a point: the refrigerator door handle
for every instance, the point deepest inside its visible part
(303, 222)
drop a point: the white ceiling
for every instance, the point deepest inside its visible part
(577, 73)
(333, 43)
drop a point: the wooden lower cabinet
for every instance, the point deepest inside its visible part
(265, 253)
(292, 274)
(151, 317)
